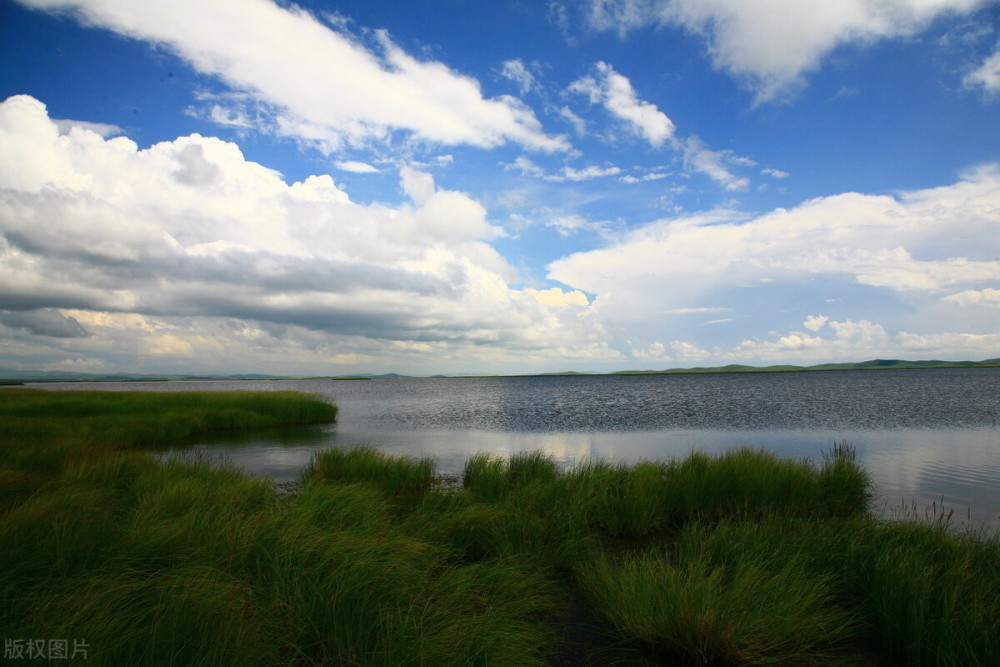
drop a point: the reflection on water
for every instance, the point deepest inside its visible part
(276, 453)
(926, 436)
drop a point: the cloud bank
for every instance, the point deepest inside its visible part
(188, 236)
(921, 250)
(185, 256)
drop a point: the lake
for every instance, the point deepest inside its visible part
(926, 436)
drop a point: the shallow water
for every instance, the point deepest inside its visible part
(926, 435)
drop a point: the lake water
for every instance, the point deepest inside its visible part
(926, 436)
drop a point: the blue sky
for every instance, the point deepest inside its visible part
(320, 187)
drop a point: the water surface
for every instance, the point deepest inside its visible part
(926, 435)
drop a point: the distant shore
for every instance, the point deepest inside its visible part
(13, 377)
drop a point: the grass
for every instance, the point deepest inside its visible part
(736, 559)
(81, 424)
(685, 610)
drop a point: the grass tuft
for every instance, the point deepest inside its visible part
(401, 476)
(743, 614)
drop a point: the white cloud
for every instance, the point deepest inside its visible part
(316, 82)
(712, 163)
(772, 44)
(775, 173)
(815, 322)
(922, 240)
(418, 185)
(356, 167)
(986, 76)
(674, 351)
(985, 298)
(524, 165)
(517, 71)
(616, 94)
(587, 173)
(653, 176)
(186, 246)
(579, 124)
(569, 224)
(851, 340)
(862, 339)
(232, 116)
(907, 248)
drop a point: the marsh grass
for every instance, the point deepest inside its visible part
(741, 558)
(78, 425)
(743, 614)
(399, 476)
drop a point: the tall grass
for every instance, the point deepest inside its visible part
(400, 476)
(925, 595)
(44, 432)
(134, 418)
(744, 614)
(187, 563)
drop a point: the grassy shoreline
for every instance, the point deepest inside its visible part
(740, 558)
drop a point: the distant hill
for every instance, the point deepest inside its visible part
(560, 373)
(8, 376)
(873, 364)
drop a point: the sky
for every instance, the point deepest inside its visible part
(496, 186)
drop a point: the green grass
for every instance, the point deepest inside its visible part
(684, 609)
(401, 477)
(740, 558)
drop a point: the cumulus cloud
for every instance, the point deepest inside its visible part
(903, 243)
(831, 340)
(985, 298)
(772, 44)
(615, 93)
(915, 247)
(863, 339)
(195, 242)
(313, 81)
(815, 322)
(674, 351)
